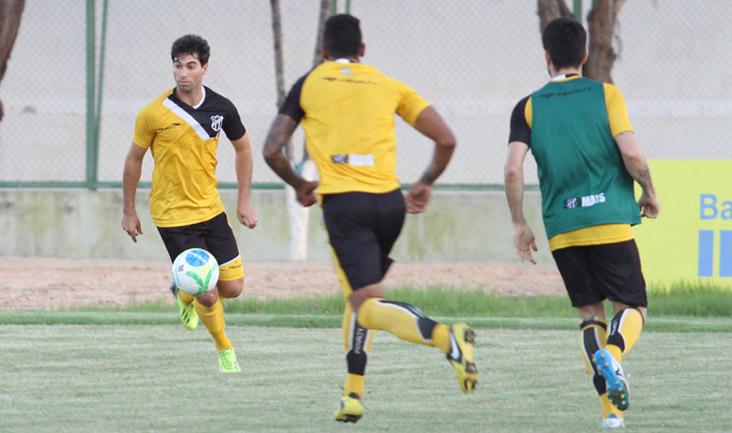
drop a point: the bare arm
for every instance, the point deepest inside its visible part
(636, 164)
(430, 124)
(243, 163)
(279, 134)
(130, 180)
(523, 237)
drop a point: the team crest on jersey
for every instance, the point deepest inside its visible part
(216, 122)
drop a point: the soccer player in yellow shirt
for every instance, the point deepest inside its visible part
(347, 111)
(181, 128)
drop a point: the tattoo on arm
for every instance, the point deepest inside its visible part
(643, 177)
(430, 175)
(279, 134)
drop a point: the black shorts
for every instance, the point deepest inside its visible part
(362, 228)
(594, 273)
(214, 236)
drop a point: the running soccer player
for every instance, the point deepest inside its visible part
(347, 111)
(181, 128)
(587, 157)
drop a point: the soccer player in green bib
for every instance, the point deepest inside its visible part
(588, 160)
(347, 110)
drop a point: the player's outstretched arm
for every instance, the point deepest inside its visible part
(637, 165)
(523, 237)
(430, 124)
(279, 134)
(243, 163)
(130, 180)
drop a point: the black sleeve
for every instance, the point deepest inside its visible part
(520, 130)
(233, 127)
(291, 107)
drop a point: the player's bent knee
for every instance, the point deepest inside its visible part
(208, 299)
(231, 289)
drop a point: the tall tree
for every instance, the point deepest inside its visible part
(298, 215)
(601, 23)
(10, 13)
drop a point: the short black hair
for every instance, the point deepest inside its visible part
(565, 39)
(342, 36)
(193, 45)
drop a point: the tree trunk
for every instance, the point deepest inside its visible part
(550, 9)
(601, 21)
(279, 59)
(278, 54)
(322, 18)
(10, 13)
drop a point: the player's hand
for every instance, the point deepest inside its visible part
(247, 215)
(524, 241)
(418, 197)
(131, 224)
(306, 193)
(649, 206)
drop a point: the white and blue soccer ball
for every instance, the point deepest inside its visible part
(195, 271)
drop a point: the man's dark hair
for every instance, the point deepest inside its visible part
(193, 45)
(342, 36)
(565, 39)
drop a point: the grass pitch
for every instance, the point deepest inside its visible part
(163, 378)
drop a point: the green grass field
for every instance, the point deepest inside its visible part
(136, 369)
(163, 378)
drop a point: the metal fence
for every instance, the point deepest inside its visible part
(472, 59)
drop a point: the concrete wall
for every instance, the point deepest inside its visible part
(458, 226)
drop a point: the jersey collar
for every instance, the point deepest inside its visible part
(203, 97)
(564, 77)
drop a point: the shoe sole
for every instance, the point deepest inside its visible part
(468, 373)
(617, 387)
(349, 418)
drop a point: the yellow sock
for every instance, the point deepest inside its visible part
(354, 383)
(608, 408)
(402, 320)
(213, 318)
(441, 337)
(185, 297)
(625, 329)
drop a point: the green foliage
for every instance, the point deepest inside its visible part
(679, 300)
(698, 300)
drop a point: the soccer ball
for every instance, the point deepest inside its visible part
(195, 271)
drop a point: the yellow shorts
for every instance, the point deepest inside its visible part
(232, 270)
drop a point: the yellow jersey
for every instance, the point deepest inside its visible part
(183, 141)
(347, 112)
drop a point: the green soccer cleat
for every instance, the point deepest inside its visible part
(461, 356)
(617, 386)
(188, 315)
(350, 410)
(228, 362)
